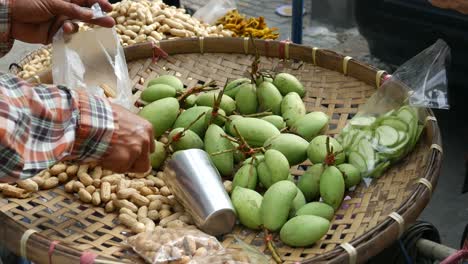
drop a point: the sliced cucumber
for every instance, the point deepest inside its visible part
(401, 136)
(388, 136)
(396, 123)
(358, 161)
(367, 151)
(362, 121)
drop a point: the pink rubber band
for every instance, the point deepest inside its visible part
(158, 53)
(456, 257)
(52, 249)
(87, 257)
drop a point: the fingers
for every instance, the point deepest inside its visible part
(142, 164)
(102, 21)
(105, 5)
(70, 27)
(71, 10)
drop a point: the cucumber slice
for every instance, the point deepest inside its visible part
(367, 151)
(358, 161)
(388, 136)
(396, 123)
(379, 170)
(362, 121)
(401, 136)
(348, 139)
(397, 152)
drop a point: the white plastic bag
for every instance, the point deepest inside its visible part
(214, 10)
(90, 60)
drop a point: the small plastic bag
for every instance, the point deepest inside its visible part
(388, 126)
(214, 10)
(245, 254)
(93, 61)
(173, 245)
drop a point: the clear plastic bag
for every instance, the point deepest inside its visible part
(245, 254)
(93, 61)
(214, 10)
(388, 126)
(173, 245)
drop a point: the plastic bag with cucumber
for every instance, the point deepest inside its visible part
(388, 126)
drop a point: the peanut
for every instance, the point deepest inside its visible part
(62, 177)
(155, 205)
(84, 195)
(153, 215)
(38, 180)
(105, 192)
(139, 199)
(126, 193)
(137, 184)
(109, 207)
(77, 185)
(164, 213)
(149, 224)
(72, 170)
(127, 220)
(14, 192)
(50, 183)
(97, 183)
(85, 178)
(138, 228)
(175, 224)
(169, 218)
(142, 212)
(165, 191)
(106, 173)
(90, 189)
(127, 211)
(57, 168)
(126, 204)
(97, 172)
(69, 186)
(29, 185)
(145, 191)
(96, 199)
(82, 169)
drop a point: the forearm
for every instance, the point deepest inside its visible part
(43, 124)
(6, 42)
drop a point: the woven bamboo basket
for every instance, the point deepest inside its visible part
(368, 222)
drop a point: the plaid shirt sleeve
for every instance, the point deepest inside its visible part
(40, 125)
(6, 42)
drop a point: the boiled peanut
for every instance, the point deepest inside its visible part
(105, 192)
(142, 212)
(139, 199)
(126, 193)
(83, 168)
(164, 213)
(145, 191)
(97, 172)
(50, 183)
(109, 207)
(97, 183)
(84, 195)
(90, 189)
(69, 186)
(155, 205)
(96, 198)
(165, 191)
(127, 211)
(126, 204)
(38, 180)
(57, 168)
(153, 215)
(72, 170)
(85, 178)
(12, 191)
(29, 185)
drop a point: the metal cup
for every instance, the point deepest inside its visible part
(196, 184)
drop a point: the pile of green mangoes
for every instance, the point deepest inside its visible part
(254, 130)
(372, 143)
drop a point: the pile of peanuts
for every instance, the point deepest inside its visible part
(140, 21)
(142, 200)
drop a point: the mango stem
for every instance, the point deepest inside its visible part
(271, 246)
(261, 114)
(179, 135)
(197, 89)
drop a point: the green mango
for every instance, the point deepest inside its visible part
(277, 202)
(293, 147)
(218, 120)
(191, 101)
(298, 202)
(351, 175)
(275, 120)
(255, 131)
(273, 168)
(332, 187)
(228, 125)
(245, 177)
(161, 114)
(156, 92)
(168, 80)
(159, 155)
(269, 98)
(292, 108)
(261, 79)
(238, 155)
(304, 230)
(247, 204)
(317, 209)
(317, 150)
(258, 159)
(209, 99)
(311, 125)
(190, 140)
(189, 115)
(309, 182)
(291, 178)
(287, 83)
(232, 88)
(214, 142)
(246, 99)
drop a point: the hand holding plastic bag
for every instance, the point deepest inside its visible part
(93, 61)
(389, 124)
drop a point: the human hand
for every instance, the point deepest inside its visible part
(37, 21)
(135, 142)
(458, 5)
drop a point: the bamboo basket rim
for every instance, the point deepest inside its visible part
(362, 247)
